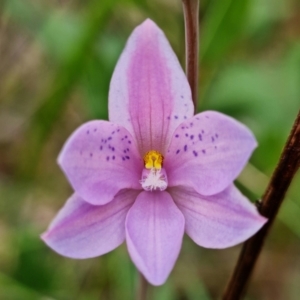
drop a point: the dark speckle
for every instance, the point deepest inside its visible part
(80, 152)
(177, 135)
(177, 151)
(113, 132)
(113, 148)
(113, 157)
(191, 137)
(186, 135)
(195, 153)
(176, 117)
(185, 117)
(215, 147)
(109, 138)
(216, 135)
(127, 149)
(88, 132)
(125, 137)
(127, 157)
(123, 158)
(181, 96)
(105, 141)
(129, 142)
(182, 127)
(124, 151)
(185, 148)
(100, 148)
(200, 137)
(95, 129)
(207, 117)
(202, 131)
(203, 151)
(191, 124)
(91, 154)
(168, 117)
(118, 130)
(212, 139)
(107, 158)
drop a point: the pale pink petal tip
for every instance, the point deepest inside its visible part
(154, 231)
(219, 221)
(81, 230)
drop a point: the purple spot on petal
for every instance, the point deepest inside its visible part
(123, 158)
(125, 137)
(191, 137)
(216, 135)
(181, 96)
(91, 154)
(127, 157)
(124, 151)
(185, 117)
(101, 148)
(88, 132)
(203, 151)
(113, 132)
(95, 129)
(191, 124)
(129, 142)
(182, 127)
(168, 117)
(176, 117)
(113, 148)
(200, 137)
(113, 157)
(195, 153)
(127, 149)
(118, 130)
(109, 138)
(186, 135)
(215, 147)
(202, 131)
(177, 151)
(177, 135)
(212, 139)
(107, 158)
(207, 117)
(185, 147)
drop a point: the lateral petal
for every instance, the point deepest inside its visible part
(207, 152)
(99, 159)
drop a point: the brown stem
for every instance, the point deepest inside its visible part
(191, 20)
(142, 288)
(286, 169)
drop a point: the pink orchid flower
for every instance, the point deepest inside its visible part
(154, 171)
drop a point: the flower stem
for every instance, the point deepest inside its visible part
(286, 169)
(142, 288)
(191, 20)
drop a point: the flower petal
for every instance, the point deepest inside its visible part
(208, 152)
(149, 93)
(82, 230)
(154, 231)
(218, 221)
(99, 159)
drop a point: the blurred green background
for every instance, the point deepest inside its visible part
(56, 61)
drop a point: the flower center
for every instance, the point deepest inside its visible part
(154, 176)
(153, 159)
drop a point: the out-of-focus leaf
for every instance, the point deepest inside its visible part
(65, 79)
(221, 27)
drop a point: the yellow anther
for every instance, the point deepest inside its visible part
(153, 159)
